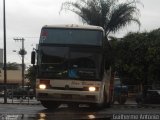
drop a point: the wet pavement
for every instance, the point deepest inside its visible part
(38, 112)
(34, 111)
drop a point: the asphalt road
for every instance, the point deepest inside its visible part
(38, 112)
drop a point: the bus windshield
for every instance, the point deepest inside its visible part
(68, 63)
(71, 36)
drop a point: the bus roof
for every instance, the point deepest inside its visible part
(75, 26)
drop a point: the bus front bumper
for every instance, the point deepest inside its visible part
(68, 96)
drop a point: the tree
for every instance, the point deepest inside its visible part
(12, 66)
(137, 57)
(109, 14)
(31, 76)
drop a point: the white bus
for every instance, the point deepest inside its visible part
(71, 67)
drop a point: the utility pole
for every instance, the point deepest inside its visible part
(4, 67)
(22, 52)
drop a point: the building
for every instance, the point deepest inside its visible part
(14, 77)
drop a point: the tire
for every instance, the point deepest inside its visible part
(10, 97)
(139, 98)
(31, 97)
(50, 104)
(102, 105)
(140, 101)
(18, 97)
(107, 104)
(96, 106)
(121, 100)
(23, 97)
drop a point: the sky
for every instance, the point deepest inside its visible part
(25, 18)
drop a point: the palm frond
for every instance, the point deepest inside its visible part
(109, 14)
(123, 15)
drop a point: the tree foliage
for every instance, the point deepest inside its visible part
(31, 76)
(109, 14)
(137, 57)
(12, 66)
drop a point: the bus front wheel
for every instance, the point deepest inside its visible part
(50, 104)
(102, 105)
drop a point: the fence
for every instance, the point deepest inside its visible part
(26, 95)
(18, 94)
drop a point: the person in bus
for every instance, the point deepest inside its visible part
(73, 73)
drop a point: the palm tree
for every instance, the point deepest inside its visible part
(109, 14)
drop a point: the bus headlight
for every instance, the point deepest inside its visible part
(42, 86)
(92, 89)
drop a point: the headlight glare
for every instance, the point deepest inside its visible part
(92, 89)
(42, 86)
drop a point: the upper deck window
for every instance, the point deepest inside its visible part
(71, 36)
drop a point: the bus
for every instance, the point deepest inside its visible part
(71, 67)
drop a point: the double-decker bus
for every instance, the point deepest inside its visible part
(71, 66)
